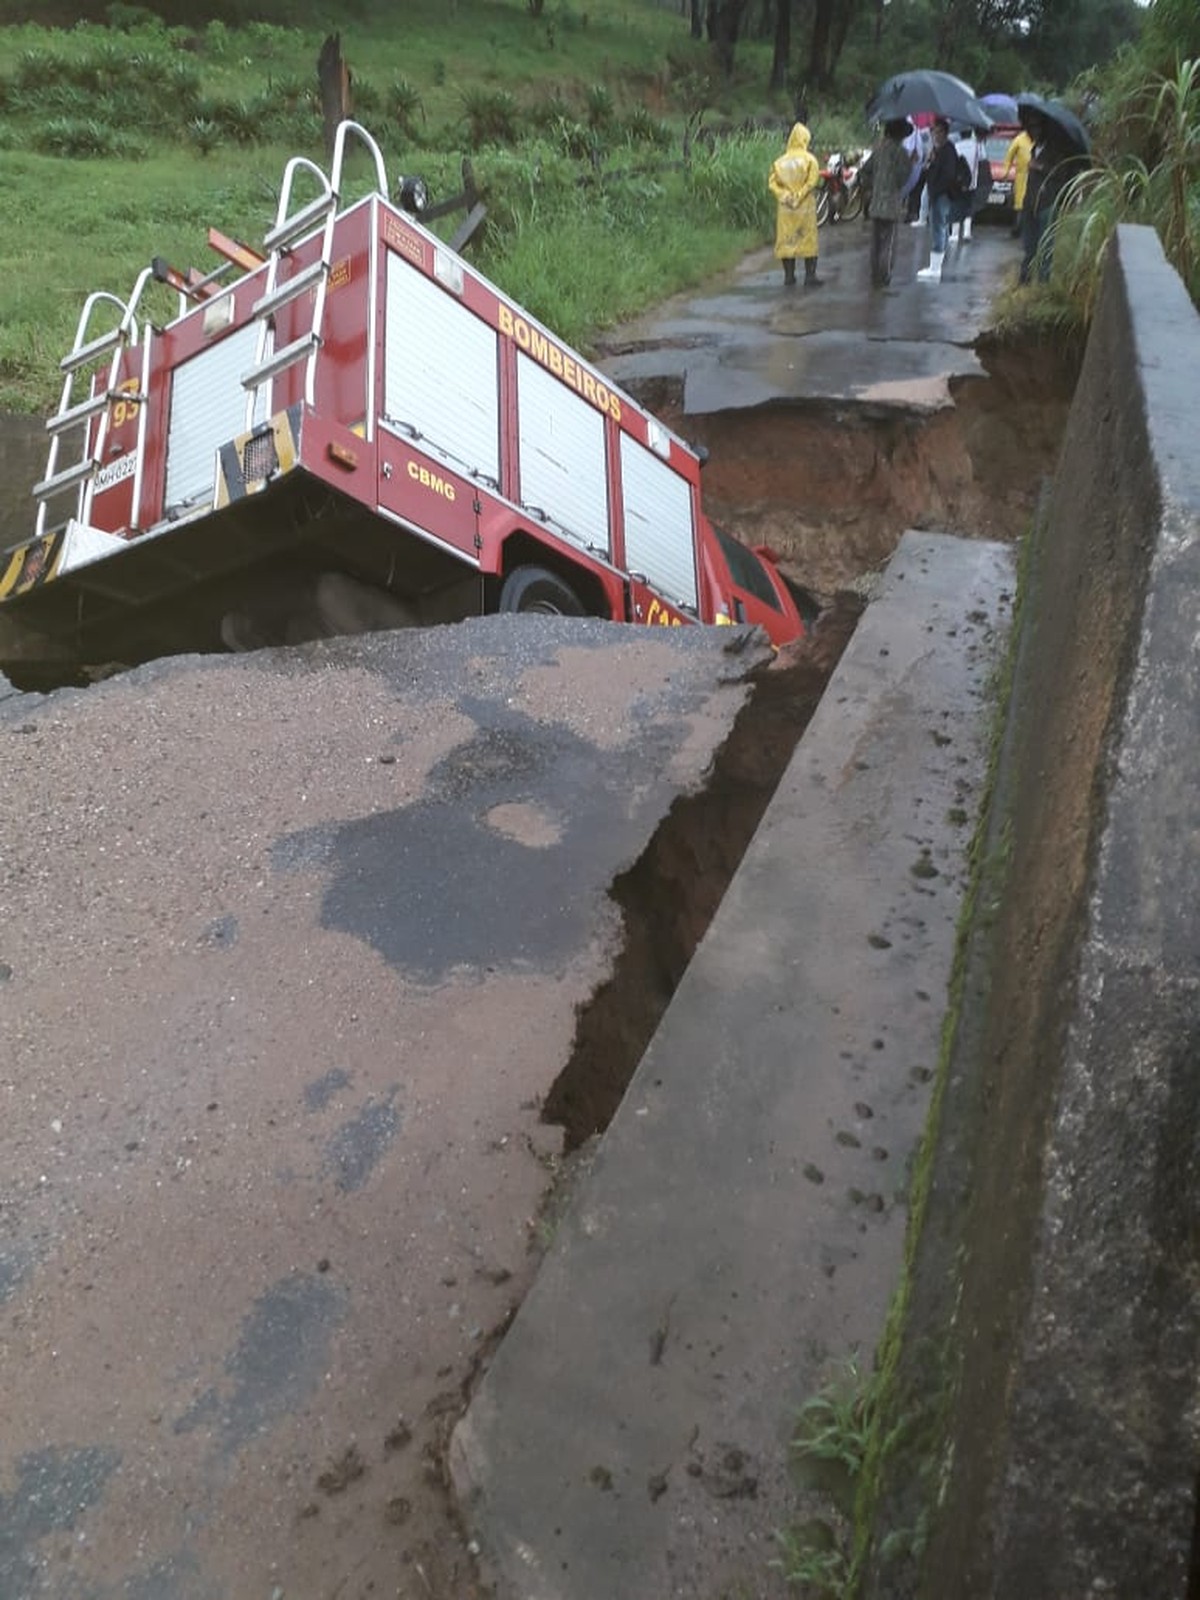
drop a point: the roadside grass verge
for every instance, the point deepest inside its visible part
(580, 249)
(127, 142)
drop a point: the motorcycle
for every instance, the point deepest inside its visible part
(839, 194)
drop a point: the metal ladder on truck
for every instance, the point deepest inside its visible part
(289, 227)
(83, 361)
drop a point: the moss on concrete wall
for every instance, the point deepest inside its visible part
(990, 1486)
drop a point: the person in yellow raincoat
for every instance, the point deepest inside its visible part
(793, 182)
(1017, 157)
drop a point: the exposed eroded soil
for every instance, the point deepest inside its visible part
(832, 490)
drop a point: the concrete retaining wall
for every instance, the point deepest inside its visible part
(1049, 1371)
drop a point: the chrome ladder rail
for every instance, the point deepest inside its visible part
(82, 357)
(289, 226)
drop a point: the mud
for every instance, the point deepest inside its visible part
(832, 489)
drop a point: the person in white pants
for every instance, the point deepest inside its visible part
(940, 178)
(968, 146)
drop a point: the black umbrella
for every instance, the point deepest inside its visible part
(906, 93)
(1063, 118)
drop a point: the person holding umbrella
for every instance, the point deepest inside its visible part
(925, 89)
(1060, 148)
(892, 165)
(793, 181)
(941, 176)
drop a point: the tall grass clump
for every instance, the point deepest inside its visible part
(84, 138)
(1154, 179)
(643, 127)
(729, 181)
(404, 105)
(136, 85)
(492, 116)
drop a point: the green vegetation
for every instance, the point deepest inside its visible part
(1142, 106)
(1151, 177)
(127, 142)
(829, 1448)
(621, 154)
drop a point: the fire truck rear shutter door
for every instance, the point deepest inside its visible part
(440, 371)
(208, 408)
(659, 540)
(563, 470)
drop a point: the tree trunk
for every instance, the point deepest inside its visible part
(697, 20)
(333, 76)
(724, 24)
(957, 21)
(783, 44)
(818, 48)
(841, 27)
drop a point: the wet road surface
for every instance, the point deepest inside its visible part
(750, 340)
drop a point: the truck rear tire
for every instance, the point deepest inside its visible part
(535, 589)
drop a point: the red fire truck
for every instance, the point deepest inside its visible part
(350, 428)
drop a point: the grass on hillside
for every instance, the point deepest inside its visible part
(122, 145)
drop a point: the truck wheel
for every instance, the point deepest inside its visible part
(535, 589)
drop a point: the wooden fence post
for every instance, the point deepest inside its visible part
(333, 76)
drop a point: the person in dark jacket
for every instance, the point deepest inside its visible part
(891, 167)
(1053, 162)
(941, 175)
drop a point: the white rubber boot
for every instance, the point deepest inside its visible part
(933, 272)
(954, 233)
(966, 230)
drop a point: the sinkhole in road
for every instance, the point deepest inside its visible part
(831, 490)
(669, 896)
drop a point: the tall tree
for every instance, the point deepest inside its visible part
(724, 24)
(820, 66)
(831, 21)
(783, 44)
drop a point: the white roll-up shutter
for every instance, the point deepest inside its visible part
(441, 381)
(564, 479)
(659, 542)
(208, 408)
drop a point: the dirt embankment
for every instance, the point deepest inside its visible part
(833, 488)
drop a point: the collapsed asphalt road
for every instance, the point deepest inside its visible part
(291, 955)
